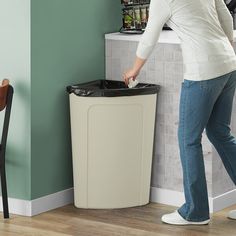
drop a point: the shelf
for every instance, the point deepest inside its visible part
(136, 4)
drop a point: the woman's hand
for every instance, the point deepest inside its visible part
(130, 74)
(133, 73)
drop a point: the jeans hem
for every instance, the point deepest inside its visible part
(193, 220)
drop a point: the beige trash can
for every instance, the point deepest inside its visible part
(112, 129)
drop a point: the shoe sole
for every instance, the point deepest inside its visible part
(206, 222)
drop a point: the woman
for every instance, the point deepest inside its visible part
(205, 29)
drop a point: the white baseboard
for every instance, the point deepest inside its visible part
(65, 197)
(225, 200)
(40, 205)
(52, 201)
(175, 198)
(18, 206)
(166, 196)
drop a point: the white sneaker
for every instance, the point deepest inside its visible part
(232, 215)
(176, 219)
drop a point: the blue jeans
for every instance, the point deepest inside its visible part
(204, 105)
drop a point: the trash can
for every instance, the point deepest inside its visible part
(112, 130)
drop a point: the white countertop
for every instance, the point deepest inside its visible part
(166, 36)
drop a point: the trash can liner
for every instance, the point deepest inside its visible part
(111, 88)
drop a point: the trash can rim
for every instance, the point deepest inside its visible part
(94, 89)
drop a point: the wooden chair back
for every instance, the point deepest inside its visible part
(3, 93)
(6, 95)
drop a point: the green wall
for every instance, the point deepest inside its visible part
(15, 65)
(67, 46)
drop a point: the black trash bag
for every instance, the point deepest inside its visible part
(111, 88)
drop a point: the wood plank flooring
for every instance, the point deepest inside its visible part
(135, 221)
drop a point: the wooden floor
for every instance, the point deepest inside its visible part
(138, 221)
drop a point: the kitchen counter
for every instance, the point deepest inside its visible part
(166, 36)
(165, 67)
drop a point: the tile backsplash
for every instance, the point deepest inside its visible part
(165, 67)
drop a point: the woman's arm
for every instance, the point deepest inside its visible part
(159, 13)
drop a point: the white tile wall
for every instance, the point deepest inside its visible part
(165, 67)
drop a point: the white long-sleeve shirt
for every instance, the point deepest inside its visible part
(205, 28)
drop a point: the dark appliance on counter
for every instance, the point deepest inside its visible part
(135, 16)
(231, 4)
